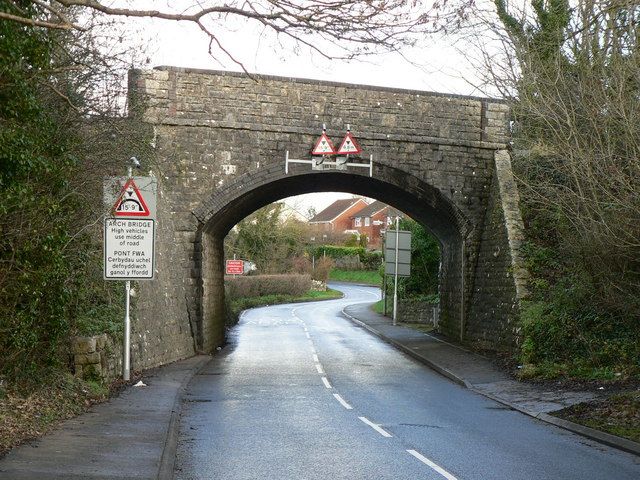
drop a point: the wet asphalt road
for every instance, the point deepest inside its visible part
(301, 393)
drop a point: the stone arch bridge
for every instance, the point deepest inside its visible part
(220, 140)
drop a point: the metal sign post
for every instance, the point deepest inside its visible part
(126, 363)
(395, 281)
(129, 241)
(397, 255)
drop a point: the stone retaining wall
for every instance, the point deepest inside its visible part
(418, 311)
(96, 357)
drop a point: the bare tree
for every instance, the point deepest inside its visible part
(332, 28)
(571, 70)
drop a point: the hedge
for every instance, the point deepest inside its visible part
(370, 260)
(260, 285)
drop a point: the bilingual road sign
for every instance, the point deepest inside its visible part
(404, 253)
(129, 229)
(129, 249)
(235, 267)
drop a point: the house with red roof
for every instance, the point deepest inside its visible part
(373, 220)
(336, 218)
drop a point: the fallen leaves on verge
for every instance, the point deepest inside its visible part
(618, 414)
(23, 417)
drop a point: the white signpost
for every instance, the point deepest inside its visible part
(129, 240)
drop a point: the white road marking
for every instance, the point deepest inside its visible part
(428, 462)
(315, 358)
(313, 349)
(377, 428)
(307, 334)
(342, 402)
(375, 294)
(326, 382)
(319, 368)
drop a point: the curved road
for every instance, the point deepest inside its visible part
(302, 393)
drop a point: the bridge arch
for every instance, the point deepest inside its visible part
(408, 193)
(219, 140)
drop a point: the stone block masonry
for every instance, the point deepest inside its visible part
(220, 141)
(96, 357)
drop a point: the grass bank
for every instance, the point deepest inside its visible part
(239, 304)
(27, 416)
(369, 277)
(618, 414)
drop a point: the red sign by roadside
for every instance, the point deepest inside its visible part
(235, 267)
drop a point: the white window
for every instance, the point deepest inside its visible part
(358, 222)
(367, 221)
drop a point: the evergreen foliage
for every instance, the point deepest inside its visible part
(51, 282)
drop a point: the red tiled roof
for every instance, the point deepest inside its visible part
(375, 207)
(334, 210)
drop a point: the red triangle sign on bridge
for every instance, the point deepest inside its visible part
(130, 202)
(349, 145)
(324, 146)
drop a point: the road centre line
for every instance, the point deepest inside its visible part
(434, 466)
(377, 428)
(342, 402)
(326, 382)
(315, 358)
(307, 334)
(319, 369)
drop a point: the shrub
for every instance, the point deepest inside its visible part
(323, 268)
(260, 285)
(565, 330)
(301, 265)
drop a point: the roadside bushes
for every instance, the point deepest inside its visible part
(318, 271)
(262, 285)
(369, 260)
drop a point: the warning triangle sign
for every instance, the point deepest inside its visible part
(324, 146)
(349, 145)
(130, 202)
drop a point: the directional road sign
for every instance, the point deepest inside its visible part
(404, 253)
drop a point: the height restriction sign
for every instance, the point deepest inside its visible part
(129, 232)
(131, 203)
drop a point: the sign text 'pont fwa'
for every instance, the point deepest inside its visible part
(129, 248)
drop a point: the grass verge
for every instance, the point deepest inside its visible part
(239, 304)
(617, 414)
(369, 277)
(378, 307)
(24, 417)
